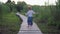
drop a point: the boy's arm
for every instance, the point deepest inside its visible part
(26, 14)
(35, 13)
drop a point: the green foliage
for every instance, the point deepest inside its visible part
(5, 9)
(46, 20)
(0, 12)
(58, 11)
(8, 1)
(55, 15)
(9, 22)
(58, 14)
(21, 6)
(43, 13)
(11, 6)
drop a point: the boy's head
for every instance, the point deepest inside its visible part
(29, 7)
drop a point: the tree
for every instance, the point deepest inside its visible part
(10, 4)
(8, 1)
(20, 6)
(23, 3)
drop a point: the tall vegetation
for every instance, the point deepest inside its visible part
(9, 22)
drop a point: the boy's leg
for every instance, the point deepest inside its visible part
(28, 22)
(31, 22)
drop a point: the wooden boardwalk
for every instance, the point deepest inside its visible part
(25, 30)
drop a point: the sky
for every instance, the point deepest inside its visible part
(34, 2)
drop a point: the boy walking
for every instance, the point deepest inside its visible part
(30, 16)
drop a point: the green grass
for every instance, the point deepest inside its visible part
(44, 27)
(47, 29)
(10, 23)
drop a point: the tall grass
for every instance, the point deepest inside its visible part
(9, 22)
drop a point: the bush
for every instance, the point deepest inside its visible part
(10, 23)
(5, 9)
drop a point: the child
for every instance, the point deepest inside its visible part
(30, 16)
